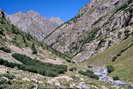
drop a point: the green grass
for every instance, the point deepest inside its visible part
(123, 64)
(23, 40)
(105, 57)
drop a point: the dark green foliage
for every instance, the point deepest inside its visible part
(3, 20)
(74, 19)
(39, 67)
(15, 29)
(115, 78)
(9, 64)
(66, 57)
(22, 39)
(9, 76)
(89, 74)
(124, 6)
(34, 50)
(7, 50)
(110, 68)
(28, 36)
(92, 35)
(4, 83)
(2, 32)
(73, 69)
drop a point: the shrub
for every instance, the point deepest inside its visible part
(110, 68)
(7, 50)
(34, 49)
(89, 74)
(2, 32)
(19, 41)
(9, 76)
(15, 29)
(73, 69)
(9, 64)
(3, 81)
(115, 78)
(124, 6)
(36, 66)
(4, 85)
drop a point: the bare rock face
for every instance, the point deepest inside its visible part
(98, 26)
(31, 22)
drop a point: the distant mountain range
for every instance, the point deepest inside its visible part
(31, 22)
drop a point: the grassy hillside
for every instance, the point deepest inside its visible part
(10, 34)
(28, 50)
(120, 56)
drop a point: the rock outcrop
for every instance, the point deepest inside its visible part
(97, 27)
(31, 22)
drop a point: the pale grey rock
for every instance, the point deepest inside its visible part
(31, 22)
(97, 27)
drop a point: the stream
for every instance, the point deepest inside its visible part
(103, 76)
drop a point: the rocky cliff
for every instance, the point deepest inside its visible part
(97, 27)
(31, 22)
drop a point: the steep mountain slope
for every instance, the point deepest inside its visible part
(31, 22)
(97, 27)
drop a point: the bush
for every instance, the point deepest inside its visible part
(110, 68)
(124, 6)
(5, 49)
(8, 64)
(2, 32)
(34, 49)
(9, 76)
(15, 29)
(36, 66)
(73, 69)
(4, 85)
(115, 78)
(89, 74)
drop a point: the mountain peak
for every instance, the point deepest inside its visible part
(32, 22)
(32, 13)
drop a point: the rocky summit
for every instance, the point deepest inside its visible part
(31, 22)
(97, 27)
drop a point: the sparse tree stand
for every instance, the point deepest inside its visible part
(2, 14)
(34, 50)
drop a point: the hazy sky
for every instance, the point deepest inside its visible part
(65, 9)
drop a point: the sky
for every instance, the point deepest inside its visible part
(65, 9)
